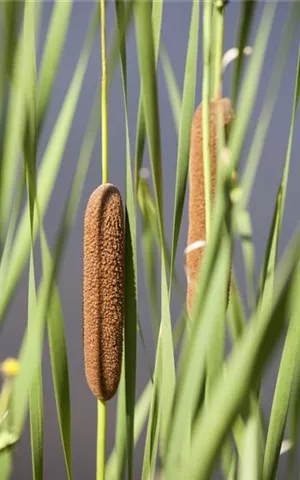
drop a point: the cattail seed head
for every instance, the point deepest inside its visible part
(103, 290)
(197, 222)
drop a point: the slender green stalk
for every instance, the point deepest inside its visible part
(104, 110)
(219, 40)
(244, 30)
(101, 424)
(101, 433)
(205, 111)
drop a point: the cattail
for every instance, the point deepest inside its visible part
(103, 290)
(197, 222)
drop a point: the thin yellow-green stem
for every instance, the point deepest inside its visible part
(205, 114)
(101, 410)
(219, 40)
(104, 109)
(101, 434)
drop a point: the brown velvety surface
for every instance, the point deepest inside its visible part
(103, 290)
(196, 229)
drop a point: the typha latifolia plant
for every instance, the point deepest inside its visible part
(201, 408)
(197, 211)
(103, 280)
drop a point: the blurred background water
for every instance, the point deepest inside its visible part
(174, 35)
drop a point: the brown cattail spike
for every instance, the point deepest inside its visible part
(197, 230)
(103, 290)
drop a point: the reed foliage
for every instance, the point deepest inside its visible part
(201, 407)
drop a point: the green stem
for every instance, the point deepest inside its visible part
(101, 434)
(101, 424)
(219, 40)
(205, 112)
(104, 109)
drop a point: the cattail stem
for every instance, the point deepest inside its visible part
(205, 112)
(104, 109)
(101, 410)
(219, 40)
(101, 434)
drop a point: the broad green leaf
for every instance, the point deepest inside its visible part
(150, 233)
(45, 182)
(36, 394)
(215, 350)
(291, 349)
(286, 169)
(119, 38)
(164, 383)
(249, 357)
(236, 313)
(213, 283)
(164, 375)
(31, 350)
(157, 11)
(10, 18)
(33, 386)
(293, 423)
(251, 460)
(245, 22)
(14, 130)
(5, 254)
(267, 277)
(30, 355)
(199, 338)
(172, 87)
(130, 310)
(116, 465)
(233, 469)
(151, 445)
(131, 276)
(266, 115)
(148, 244)
(282, 395)
(30, 148)
(141, 412)
(229, 461)
(243, 223)
(52, 54)
(168, 362)
(140, 417)
(32, 345)
(186, 116)
(147, 64)
(6, 462)
(59, 362)
(252, 412)
(55, 320)
(250, 84)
